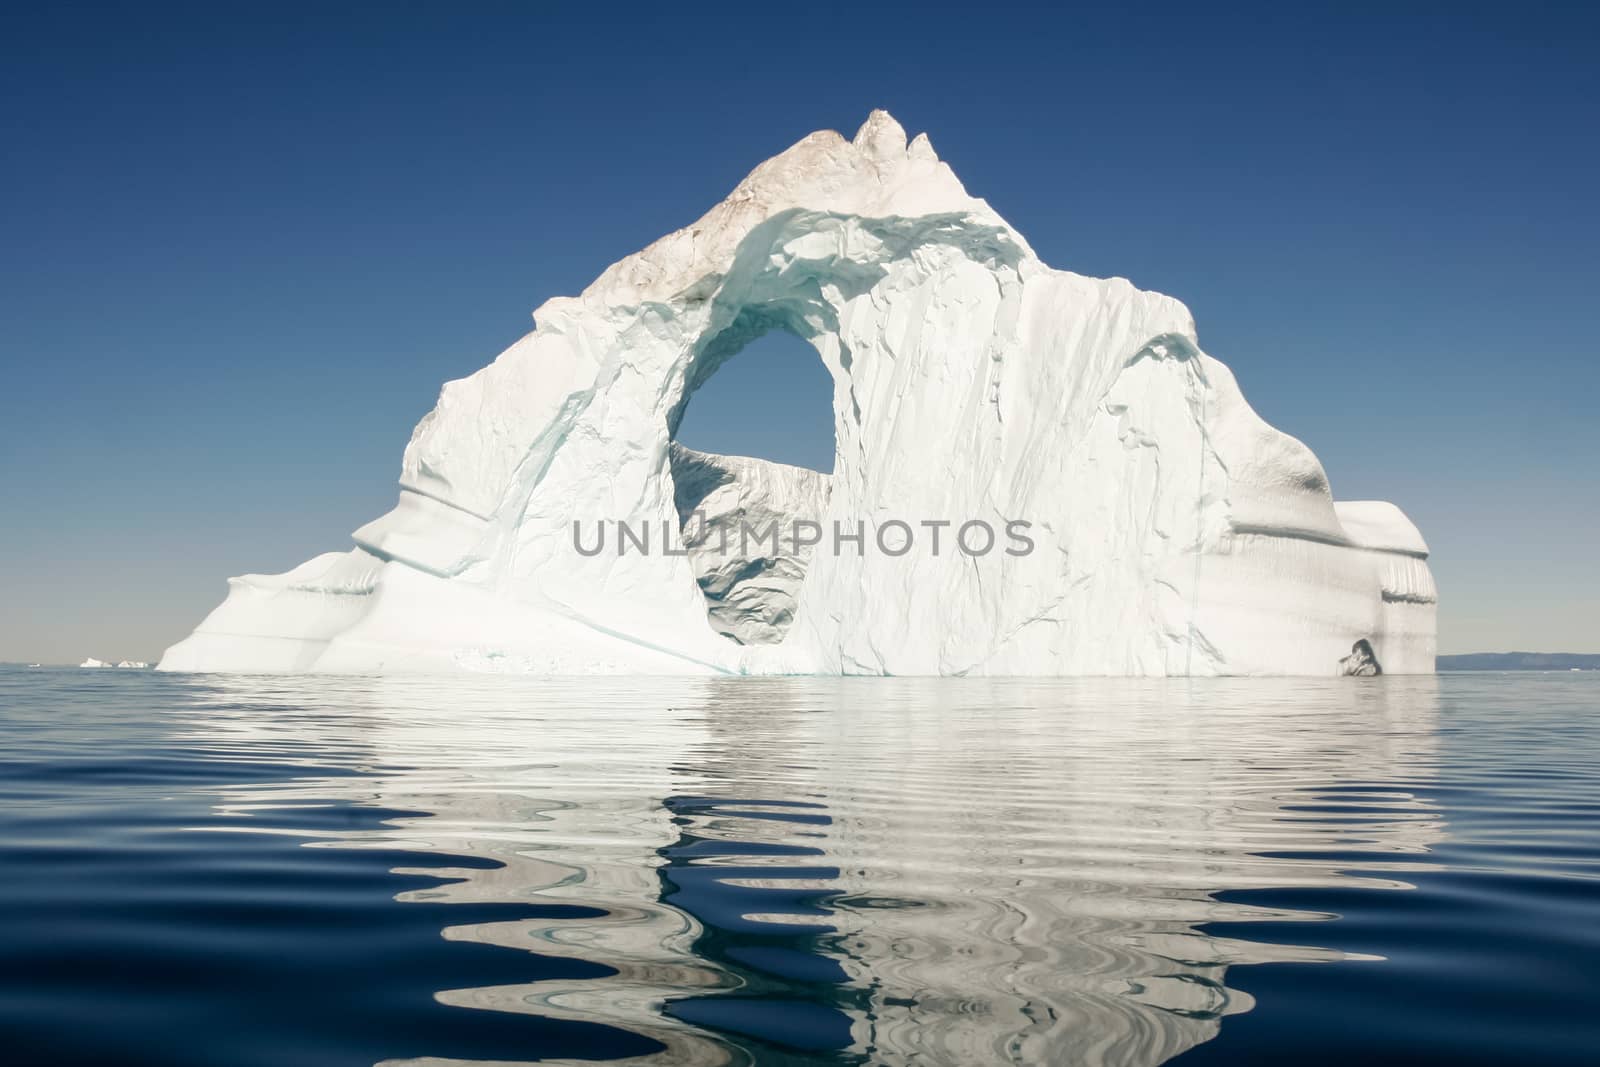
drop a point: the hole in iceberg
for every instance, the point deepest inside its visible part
(751, 457)
(772, 399)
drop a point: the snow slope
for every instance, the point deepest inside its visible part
(1172, 530)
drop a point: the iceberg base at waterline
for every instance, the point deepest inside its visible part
(1170, 530)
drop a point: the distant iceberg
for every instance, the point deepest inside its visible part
(548, 522)
(92, 662)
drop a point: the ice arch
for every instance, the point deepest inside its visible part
(737, 514)
(1174, 531)
(772, 401)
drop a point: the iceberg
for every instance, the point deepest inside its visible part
(92, 662)
(1036, 473)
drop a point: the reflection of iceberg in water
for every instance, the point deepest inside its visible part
(882, 870)
(1020, 869)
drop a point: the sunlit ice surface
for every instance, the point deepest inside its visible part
(707, 871)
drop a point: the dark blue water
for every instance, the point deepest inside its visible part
(276, 871)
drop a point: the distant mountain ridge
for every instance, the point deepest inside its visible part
(1520, 661)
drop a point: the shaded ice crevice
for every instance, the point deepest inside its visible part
(737, 518)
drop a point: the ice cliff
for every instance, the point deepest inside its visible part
(549, 523)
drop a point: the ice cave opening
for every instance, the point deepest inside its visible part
(771, 400)
(752, 454)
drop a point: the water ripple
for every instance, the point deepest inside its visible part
(778, 871)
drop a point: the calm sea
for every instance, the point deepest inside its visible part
(348, 871)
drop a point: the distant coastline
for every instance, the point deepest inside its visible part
(1520, 661)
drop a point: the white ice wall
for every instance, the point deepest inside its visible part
(1174, 531)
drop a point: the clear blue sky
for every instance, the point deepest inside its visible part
(243, 246)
